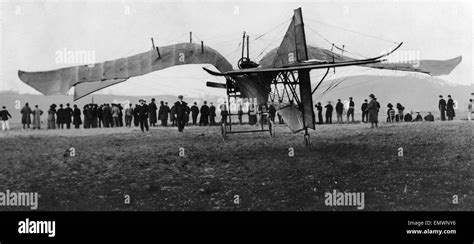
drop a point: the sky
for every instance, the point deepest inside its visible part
(34, 35)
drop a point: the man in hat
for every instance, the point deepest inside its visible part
(373, 110)
(329, 109)
(152, 107)
(350, 111)
(450, 108)
(204, 120)
(212, 114)
(339, 110)
(442, 107)
(25, 116)
(68, 113)
(181, 113)
(195, 112)
(60, 117)
(143, 113)
(365, 113)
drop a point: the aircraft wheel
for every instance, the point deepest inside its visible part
(223, 131)
(271, 128)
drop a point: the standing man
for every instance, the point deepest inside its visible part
(339, 110)
(60, 117)
(128, 115)
(100, 116)
(470, 110)
(450, 108)
(115, 115)
(76, 117)
(152, 108)
(164, 118)
(25, 116)
(365, 113)
(271, 113)
(212, 114)
(373, 109)
(195, 112)
(204, 120)
(329, 110)
(136, 113)
(37, 118)
(224, 112)
(320, 112)
(442, 107)
(350, 111)
(181, 112)
(4, 114)
(240, 111)
(68, 113)
(143, 113)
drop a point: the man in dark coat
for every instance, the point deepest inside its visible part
(450, 108)
(135, 115)
(100, 116)
(164, 111)
(152, 107)
(107, 115)
(271, 113)
(68, 113)
(84, 112)
(25, 116)
(195, 112)
(61, 117)
(212, 114)
(94, 115)
(181, 113)
(77, 117)
(319, 107)
(143, 113)
(442, 107)
(89, 116)
(204, 120)
(350, 111)
(339, 110)
(329, 110)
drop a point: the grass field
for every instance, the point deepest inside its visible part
(437, 163)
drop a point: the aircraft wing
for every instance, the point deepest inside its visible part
(90, 78)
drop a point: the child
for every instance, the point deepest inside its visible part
(390, 113)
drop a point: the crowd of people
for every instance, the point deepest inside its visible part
(180, 114)
(370, 110)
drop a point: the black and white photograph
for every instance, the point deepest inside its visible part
(236, 106)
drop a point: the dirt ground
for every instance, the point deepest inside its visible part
(111, 165)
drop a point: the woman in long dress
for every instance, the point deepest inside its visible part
(51, 117)
(373, 109)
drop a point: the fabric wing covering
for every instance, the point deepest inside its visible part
(91, 78)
